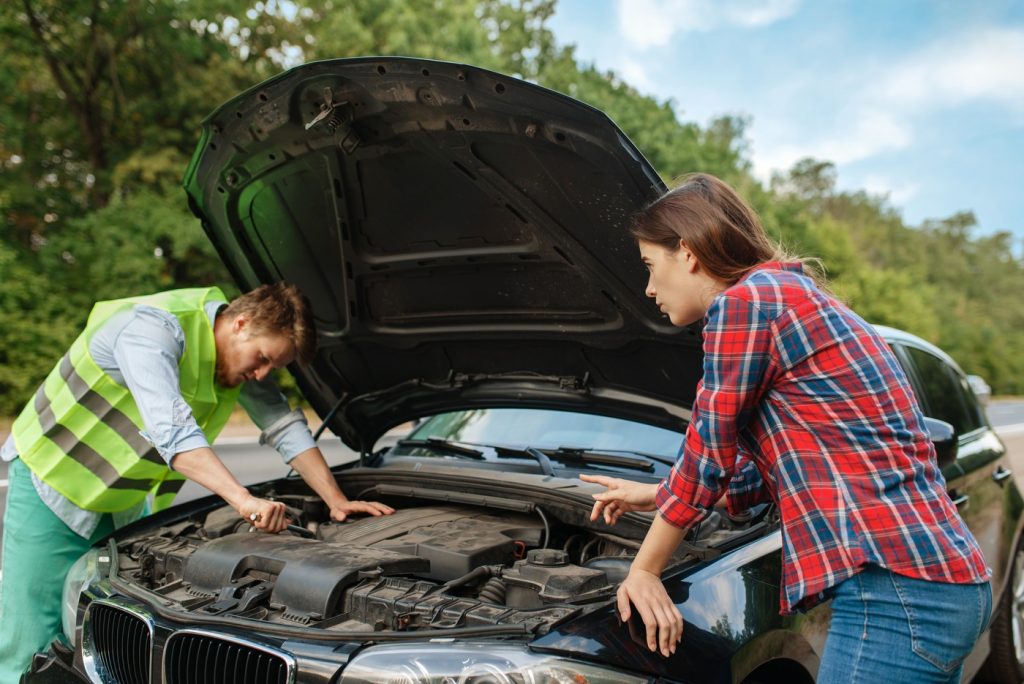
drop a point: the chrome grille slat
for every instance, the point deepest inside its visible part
(201, 658)
(121, 643)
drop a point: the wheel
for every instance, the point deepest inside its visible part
(1006, 634)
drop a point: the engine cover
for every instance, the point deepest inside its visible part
(309, 576)
(454, 539)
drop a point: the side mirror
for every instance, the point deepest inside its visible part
(981, 389)
(943, 436)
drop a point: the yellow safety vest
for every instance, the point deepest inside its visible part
(81, 433)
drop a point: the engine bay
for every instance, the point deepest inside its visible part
(438, 562)
(428, 566)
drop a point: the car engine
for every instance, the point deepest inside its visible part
(424, 567)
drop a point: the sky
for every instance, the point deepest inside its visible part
(918, 100)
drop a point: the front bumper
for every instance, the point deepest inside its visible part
(120, 640)
(55, 666)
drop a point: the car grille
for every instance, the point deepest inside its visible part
(203, 659)
(121, 642)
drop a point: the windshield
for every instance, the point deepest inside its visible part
(544, 429)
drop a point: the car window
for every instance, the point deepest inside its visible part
(945, 392)
(975, 411)
(550, 429)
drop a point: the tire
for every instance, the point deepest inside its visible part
(1005, 663)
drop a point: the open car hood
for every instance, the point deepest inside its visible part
(461, 235)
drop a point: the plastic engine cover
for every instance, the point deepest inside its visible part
(309, 576)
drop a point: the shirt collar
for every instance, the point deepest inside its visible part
(791, 266)
(212, 309)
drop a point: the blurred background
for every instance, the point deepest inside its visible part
(102, 101)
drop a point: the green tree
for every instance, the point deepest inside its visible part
(100, 107)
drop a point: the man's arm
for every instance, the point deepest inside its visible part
(310, 464)
(287, 432)
(204, 467)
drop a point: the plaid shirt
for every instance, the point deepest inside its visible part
(799, 388)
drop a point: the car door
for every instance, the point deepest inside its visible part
(977, 483)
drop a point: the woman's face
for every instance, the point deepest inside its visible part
(675, 283)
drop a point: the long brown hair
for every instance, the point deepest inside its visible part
(718, 226)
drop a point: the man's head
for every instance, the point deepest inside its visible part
(262, 330)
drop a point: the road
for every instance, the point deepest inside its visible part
(253, 463)
(1003, 414)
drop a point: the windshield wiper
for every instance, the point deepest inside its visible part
(443, 445)
(608, 457)
(564, 454)
(574, 456)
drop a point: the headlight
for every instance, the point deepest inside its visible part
(475, 663)
(91, 567)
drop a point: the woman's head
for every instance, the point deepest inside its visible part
(697, 240)
(713, 222)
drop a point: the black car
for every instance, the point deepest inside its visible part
(460, 234)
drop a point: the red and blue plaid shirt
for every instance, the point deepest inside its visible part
(802, 389)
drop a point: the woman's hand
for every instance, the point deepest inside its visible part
(342, 509)
(661, 618)
(265, 515)
(622, 496)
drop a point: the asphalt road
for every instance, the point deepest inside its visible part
(1006, 413)
(252, 463)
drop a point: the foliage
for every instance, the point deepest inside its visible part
(101, 101)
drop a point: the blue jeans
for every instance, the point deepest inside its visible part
(891, 628)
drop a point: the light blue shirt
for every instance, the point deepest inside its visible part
(140, 349)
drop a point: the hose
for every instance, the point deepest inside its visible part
(493, 591)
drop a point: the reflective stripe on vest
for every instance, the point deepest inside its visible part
(81, 433)
(164, 493)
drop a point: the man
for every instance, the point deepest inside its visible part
(129, 413)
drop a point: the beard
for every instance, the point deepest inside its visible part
(222, 376)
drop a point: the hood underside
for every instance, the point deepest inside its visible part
(462, 236)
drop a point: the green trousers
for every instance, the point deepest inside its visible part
(38, 551)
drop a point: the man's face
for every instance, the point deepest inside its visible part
(242, 356)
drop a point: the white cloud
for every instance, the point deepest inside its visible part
(898, 192)
(984, 64)
(888, 101)
(635, 73)
(871, 132)
(652, 23)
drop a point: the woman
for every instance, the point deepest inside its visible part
(799, 386)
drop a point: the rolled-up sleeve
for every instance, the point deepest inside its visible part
(147, 352)
(737, 368)
(282, 428)
(746, 488)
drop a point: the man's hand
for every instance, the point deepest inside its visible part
(311, 466)
(265, 515)
(202, 466)
(342, 509)
(622, 496)
(661, 618)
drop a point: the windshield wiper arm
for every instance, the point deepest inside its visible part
(542, 459)
(603, 457)
(575, 455)
(638, 455)
(528, 452)
(444, 446)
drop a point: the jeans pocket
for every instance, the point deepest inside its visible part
(945, 620)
